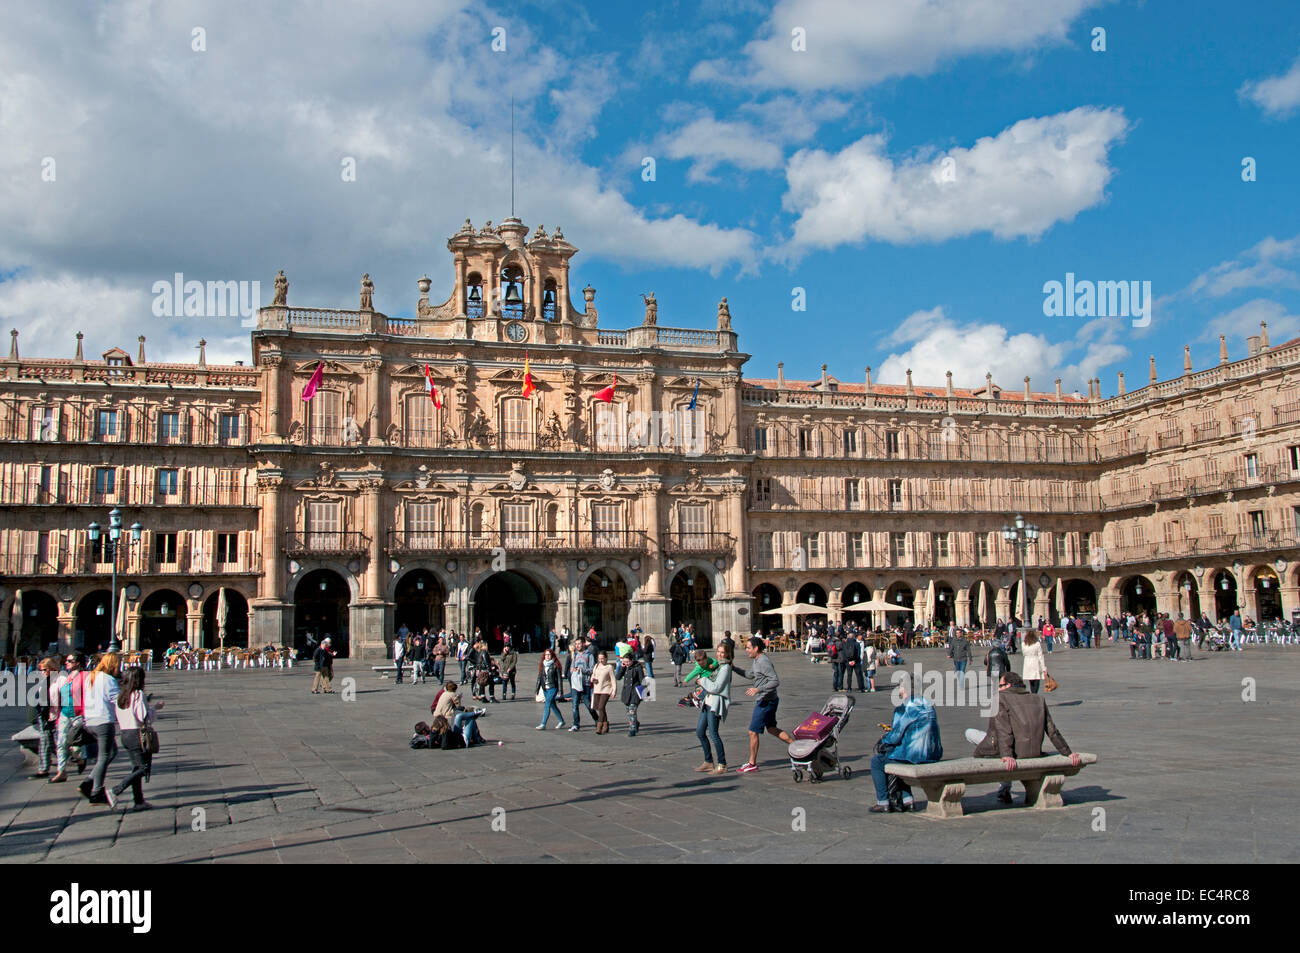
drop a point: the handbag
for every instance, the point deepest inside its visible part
(1050, 684)
(541, 696)
(148, 739)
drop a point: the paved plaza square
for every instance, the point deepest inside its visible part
(1188, 772)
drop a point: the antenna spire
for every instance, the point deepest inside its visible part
(512, 156)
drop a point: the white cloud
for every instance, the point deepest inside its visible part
(710, 142)
(1256, 267)
(1018, 183)
(856, 43)
(1276, 95)
(225, 164)
(1243, 321)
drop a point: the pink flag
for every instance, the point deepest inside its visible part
(309, 391)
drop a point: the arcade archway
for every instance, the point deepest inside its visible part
(320, 609)
(692, 601)
(93, 620)
(419, 602)
(508, 601)
(766, 596)
(605, 606)
(1225, 595)
(162, 621)
(40, 623)
(236, 620)
(1138, 595)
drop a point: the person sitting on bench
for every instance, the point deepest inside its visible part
(1017, 730)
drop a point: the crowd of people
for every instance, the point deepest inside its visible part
(82, 715)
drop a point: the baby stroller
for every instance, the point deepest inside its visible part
(815, 749)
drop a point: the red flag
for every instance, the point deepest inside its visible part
(528, 377)
(607, 395)
(309, 391)
(433, 391)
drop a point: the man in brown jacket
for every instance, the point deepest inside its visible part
(1183, 633)
(1018, 729)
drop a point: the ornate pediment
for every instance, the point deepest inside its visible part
(326, 478)
(692, 484)
(331, 367)
(417, 370)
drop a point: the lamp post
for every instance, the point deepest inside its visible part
(111, 545)
(1020, 534)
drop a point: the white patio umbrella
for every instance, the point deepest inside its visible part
(17, 636)
(1060, 596)
(929, 604)
(1024, 606)
(984, 603)
(799, 608)
(222, 609)
(877, 605)
(119, 629)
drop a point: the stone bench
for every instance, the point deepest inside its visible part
(944, 782)
(29, 742)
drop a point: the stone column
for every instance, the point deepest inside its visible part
(194, 622)
(271, 618)
(67, 626)
(377, 409)
(1290, 601)
(835, 607)
(963, 608)
(373, 583)
(651, 507)
(274, 427)
(730, 422)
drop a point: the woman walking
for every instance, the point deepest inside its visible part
(632, 675)
(134, 722)
(602, 688)
(713, 711)
(1035, 666)
(100, 694)
(509, 662)
(70, 689)
(548, 683)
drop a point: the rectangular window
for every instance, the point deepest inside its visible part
(940, 541)
(422, 525)
(852, 495)
(1173, 531)
(227, 547)
(764, 545)
(1058, 546)
(1085, 547)
(694, 522)
(106, 425)
(43, 424)
(611, 426)
(1251, 466)
(324, 524)
(805, 440)
(937, 445)
(607, 520)
(105, 481)
(982, 545)
(169, 425)
(517, 524)
(164, 547)
(168, 482)
(1216, 526)
(1293, 454)
(938, 491)
(228, 427)
(760, 439)
(1257, 527)
(850, 443)
(1139, 535)
(812, 545)
(98, 551)
(858, 543)
(895, 492)
(891, 443)
(898, 545)
(1019, 492)
(979, 493)
(515, 424)
(763, 490)
(325, 419)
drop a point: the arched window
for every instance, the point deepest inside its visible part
(474, 295)
(476, 519)
(552, 519)
(549, 295)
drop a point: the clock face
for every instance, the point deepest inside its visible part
(516, 331)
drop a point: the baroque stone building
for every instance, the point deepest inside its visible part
(684, 493)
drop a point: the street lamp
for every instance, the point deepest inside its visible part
(111, 547)
(1020, 535)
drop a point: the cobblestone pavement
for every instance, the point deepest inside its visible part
(1188, 772)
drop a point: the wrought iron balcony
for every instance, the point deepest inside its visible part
(326, 543)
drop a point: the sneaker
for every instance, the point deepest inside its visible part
(880, 809)
(746, 768)
(480, 711)
(110, 797)
(573, 728)
(707, 766)
(720, 769)
(541, 727)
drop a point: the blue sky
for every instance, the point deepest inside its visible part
(774, 169)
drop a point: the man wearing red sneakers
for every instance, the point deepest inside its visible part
(763, 675)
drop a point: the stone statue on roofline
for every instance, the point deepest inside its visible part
(367, 293)
(651, 310)
(281, 290)
(724, 316)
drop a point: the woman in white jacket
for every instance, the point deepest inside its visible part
(99, 694)
(1035, 669)
(713, 711)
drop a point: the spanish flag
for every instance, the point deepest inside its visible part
(528, 377)
(309, 391)
(432, 391)
(607, 395)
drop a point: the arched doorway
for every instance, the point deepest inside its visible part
(1138, 595)
(766, 596)
(40, 623)
(1024, 614)
(236, 620)
(986, 619)
(692, 601)
(944, 609)
(1268, 595)
(511, 601)
(92, 624)
(1080, 598)
(811, 594)
(1189, 596)
(320, 609)
(162, 621)
(1225, 594)
(419, 601)
(604, 606)
(900, 594)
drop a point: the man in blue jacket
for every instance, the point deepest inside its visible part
(913, 738)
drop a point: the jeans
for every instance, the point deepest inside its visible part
(881, 780)
(464, 663)
(439, 670)
(961, 673)
(140, 763)
(548, 706)
(105, 737)
(1234, 640)
(67, 723)
(466, 722)
(707, 728)
(398, 663)
(507, 678)
(1049, 640)
(837, 677)
(581, 699)
(649, 668)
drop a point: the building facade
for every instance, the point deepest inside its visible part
(500, 459)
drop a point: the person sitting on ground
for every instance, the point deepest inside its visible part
(447, 706)
(913, 738)
(1017, 730)
(423, 736)
(463, 733)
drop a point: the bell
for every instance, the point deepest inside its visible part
(475, 293)
(512, 293)
(548, 297)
